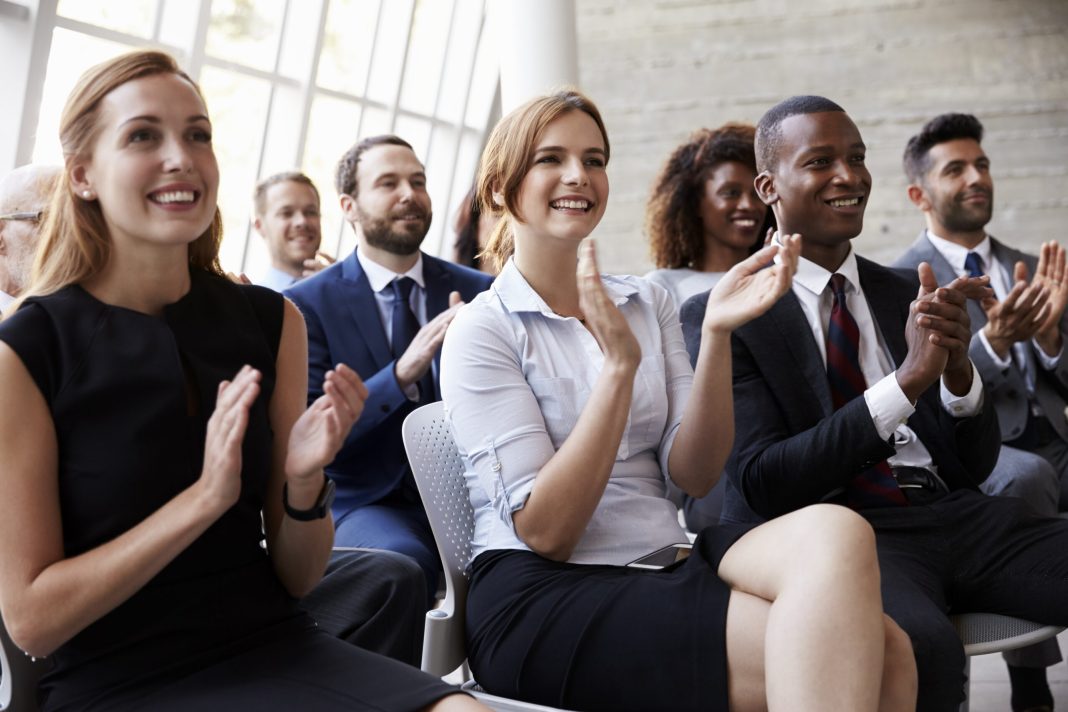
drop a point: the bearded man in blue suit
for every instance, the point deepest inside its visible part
(383, 311)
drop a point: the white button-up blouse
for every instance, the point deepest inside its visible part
(515, 376)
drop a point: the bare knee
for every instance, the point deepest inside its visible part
(843, 537)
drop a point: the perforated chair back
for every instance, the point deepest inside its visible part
(984, 633)
(439, 475)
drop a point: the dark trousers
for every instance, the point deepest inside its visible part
(374, 599)
(966, 552)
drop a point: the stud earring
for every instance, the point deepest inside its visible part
(87, 194)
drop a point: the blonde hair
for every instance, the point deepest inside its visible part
(74, 241)
(507, 157)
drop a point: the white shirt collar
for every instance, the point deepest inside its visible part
(379, 277)
(955, 254)
(5, 299)
(517, 295)
(814, 278)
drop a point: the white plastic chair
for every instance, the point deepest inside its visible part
(985, 633)
(18, 677)
(439, 474)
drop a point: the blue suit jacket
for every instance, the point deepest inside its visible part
(791, 448)
(1006, 388)
(344, 327)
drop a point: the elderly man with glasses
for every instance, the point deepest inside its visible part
(24, 194)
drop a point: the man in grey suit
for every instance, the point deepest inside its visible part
(1017, 337)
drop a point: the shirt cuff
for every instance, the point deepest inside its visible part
(967, 405)
(888, 405)
(1044, 360)
(1002, 363)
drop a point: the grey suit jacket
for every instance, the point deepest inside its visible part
(1007, 388)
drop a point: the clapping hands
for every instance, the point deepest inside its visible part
(752, 286)
(320, 431)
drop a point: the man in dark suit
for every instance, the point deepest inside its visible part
(383, 310)
(1017, 347)
(856, 389)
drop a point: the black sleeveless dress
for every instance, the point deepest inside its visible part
(130, 396)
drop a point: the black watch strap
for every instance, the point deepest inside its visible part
(318, 510)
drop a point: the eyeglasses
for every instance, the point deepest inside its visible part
(31, 215)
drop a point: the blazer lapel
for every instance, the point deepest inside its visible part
(363, 308)
(885, 309)
(792, 327)
(438, 287)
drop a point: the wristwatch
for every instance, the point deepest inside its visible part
(318, 510)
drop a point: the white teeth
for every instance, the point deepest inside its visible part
(844, 203)
(745, 223)
(174, 196)
(571, 204)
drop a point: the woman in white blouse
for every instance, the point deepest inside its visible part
(570, 401)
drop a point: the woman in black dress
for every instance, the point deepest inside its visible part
(153, 412)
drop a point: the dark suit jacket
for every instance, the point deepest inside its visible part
(791, 448)
(1007, 389)
(344, 327)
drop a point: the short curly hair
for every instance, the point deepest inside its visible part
(940, 129)
(672, 215)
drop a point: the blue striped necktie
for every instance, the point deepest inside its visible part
(876, 486)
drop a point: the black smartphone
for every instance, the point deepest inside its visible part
(662, 557)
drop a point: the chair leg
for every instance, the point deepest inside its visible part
(964, 706)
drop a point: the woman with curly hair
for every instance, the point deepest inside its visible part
(704, 215)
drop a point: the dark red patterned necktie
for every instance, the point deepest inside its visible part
(874, 487)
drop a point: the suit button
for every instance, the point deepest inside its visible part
(384, 407)
(1014, 432)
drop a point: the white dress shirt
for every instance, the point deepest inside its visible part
(380, 278)
(5, 299)
(889, 407)
(683, 283)
(276, 279)
(515, 377)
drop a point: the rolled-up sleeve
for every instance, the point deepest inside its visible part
(496, 421)
(678, 372)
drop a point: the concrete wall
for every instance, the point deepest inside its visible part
(659, 69)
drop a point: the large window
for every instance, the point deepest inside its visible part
(293, 84)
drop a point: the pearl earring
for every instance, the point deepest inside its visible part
(87, 194)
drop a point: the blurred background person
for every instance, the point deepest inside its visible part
(24, 194)
(287, 216)
(473, 228)
(704, 215)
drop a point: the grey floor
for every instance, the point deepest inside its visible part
(990, 682)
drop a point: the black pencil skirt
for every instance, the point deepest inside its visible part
(590, 637)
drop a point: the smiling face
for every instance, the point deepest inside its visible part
(730, 209)
(819, 185)
(152, 167)
(391, 207)
(565, 189)
(957, 192)
(290, 225)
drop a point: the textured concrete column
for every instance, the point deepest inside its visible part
(536, 43)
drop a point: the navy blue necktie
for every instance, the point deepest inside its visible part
(405, 327)
(973, 264)
(876, 486)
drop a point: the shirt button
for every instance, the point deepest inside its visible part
(496, 466)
